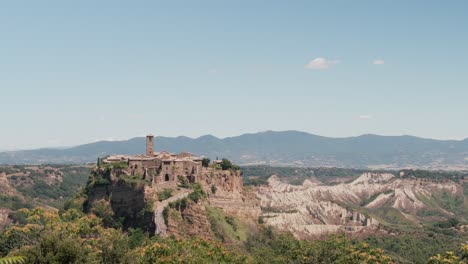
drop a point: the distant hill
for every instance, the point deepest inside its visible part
(276, 148)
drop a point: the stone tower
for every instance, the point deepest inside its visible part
(149, 145)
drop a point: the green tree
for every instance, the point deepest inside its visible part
(226, 164)
(70, 237)
(165, 194)
(205, 162)
(103, 210)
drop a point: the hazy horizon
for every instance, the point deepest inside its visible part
(79, 72)
(219, 137)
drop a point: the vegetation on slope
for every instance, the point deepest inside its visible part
(165, 194)
(258, 175)
(434, 175)
(46, 237)
(72, 237)
(50, 185)
(227, 228)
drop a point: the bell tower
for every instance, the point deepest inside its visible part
(149, 145)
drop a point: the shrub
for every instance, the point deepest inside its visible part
(183, 182)
(225, 164)
(117, 165)
(452, 222)
(197, 193)
(192, 250)
(206, 162)
(261, 220)
(103, 209)
(165, 194)
(165, 214)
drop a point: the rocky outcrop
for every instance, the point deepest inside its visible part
(5, 187)
(192, 221)
(128, 202)
(130, 197)
(224, 190)
(4, 220)
(314, 209)
(227, 181)
(243, 204)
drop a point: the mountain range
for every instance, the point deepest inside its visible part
(275, 148)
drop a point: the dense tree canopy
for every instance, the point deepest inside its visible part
(73, 237)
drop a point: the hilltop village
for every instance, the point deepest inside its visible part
(139, 188)
(165, 168)
(161, 166)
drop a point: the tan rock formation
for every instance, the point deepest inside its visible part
(192, 221)
(313, 209)
(4, 220)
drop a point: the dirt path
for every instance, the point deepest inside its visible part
(159, 208)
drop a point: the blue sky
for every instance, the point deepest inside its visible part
(73, 72)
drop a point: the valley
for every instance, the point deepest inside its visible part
(423, 210)
(396, 210)
(48, 186)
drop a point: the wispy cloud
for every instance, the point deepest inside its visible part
(321, 64)
(365, 117)
(378, 62)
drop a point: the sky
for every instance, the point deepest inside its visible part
(73, 72)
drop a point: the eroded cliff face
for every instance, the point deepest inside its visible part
(225, 181)
(5, 187)
(229, 194)
(192, 221)
(310, 210)
(313, 209)
(224, 191)
(128, 199)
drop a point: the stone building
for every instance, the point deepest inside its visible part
(160, 166)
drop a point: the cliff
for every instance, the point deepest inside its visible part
(133, 202)
(219, 208)
(127, 198)
(188, 222)
(372, 203)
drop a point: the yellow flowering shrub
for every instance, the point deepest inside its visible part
(450, 257)
(192, 250)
